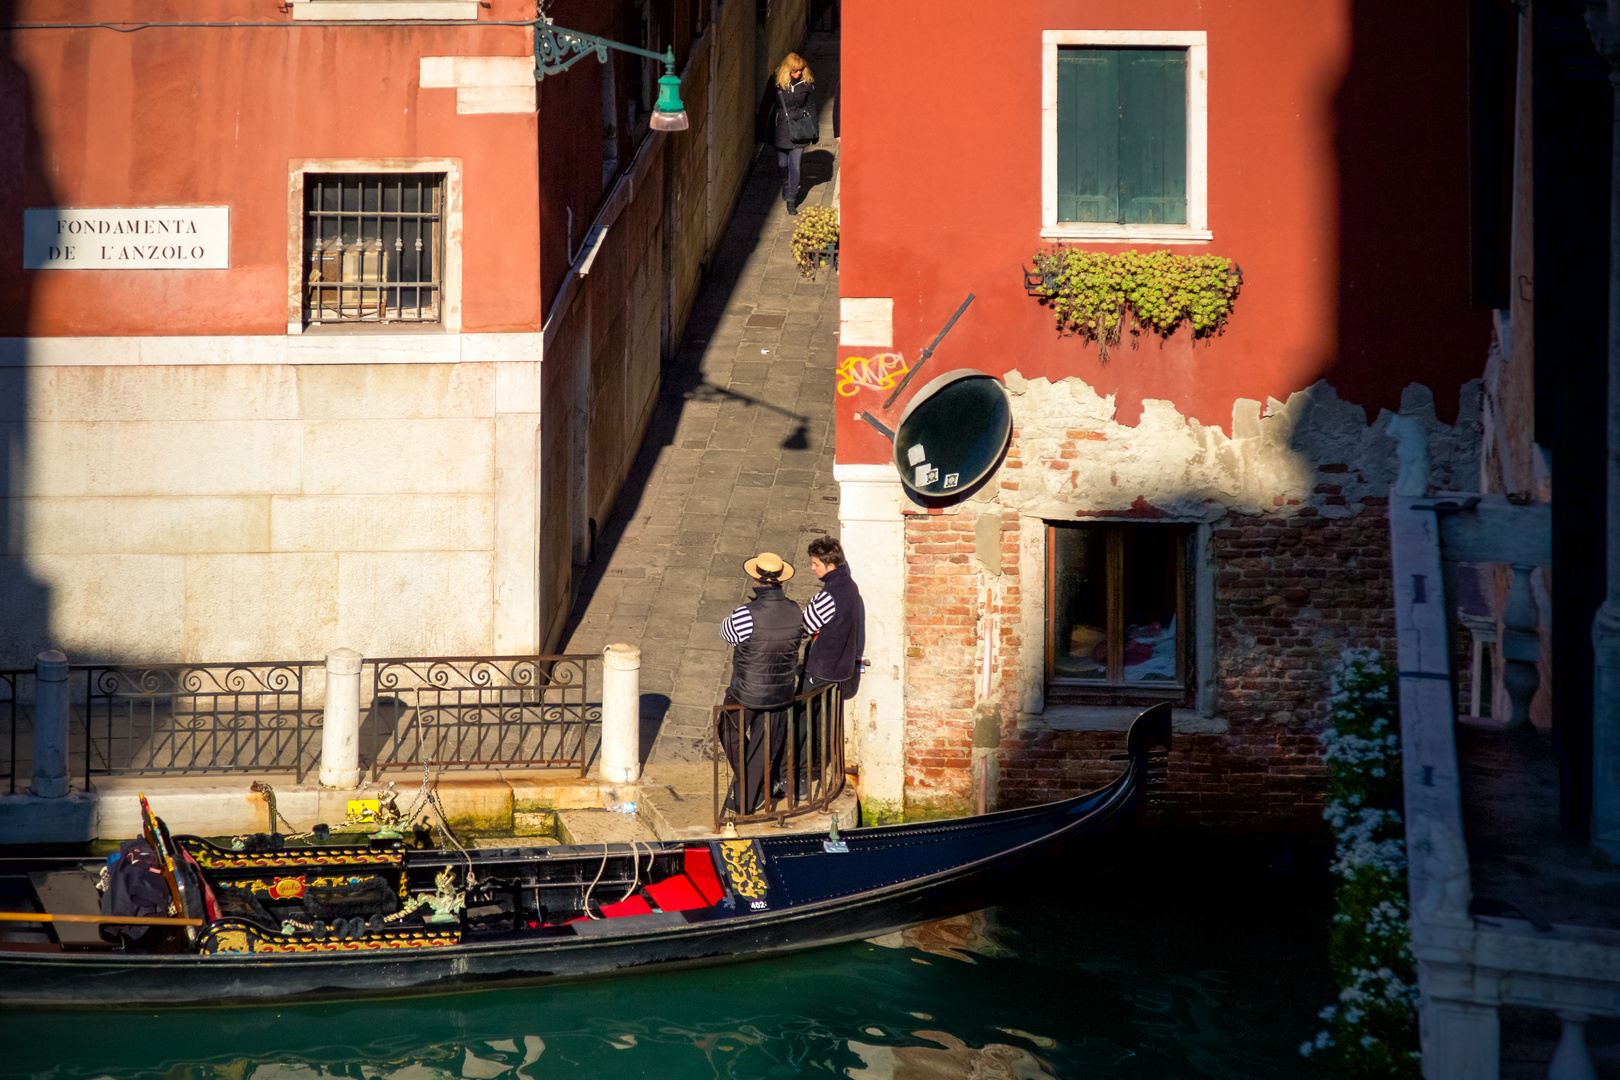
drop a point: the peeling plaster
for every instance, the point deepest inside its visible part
(1287, 454)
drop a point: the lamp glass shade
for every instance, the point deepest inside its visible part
(668, 112)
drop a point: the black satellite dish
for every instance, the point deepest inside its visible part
(952, 433)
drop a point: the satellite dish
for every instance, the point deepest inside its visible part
(952, 433)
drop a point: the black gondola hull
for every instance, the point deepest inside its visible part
(891, 878)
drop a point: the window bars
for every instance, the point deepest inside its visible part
(373, 247)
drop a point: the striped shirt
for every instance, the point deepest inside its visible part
(738, 627)
(819, 611)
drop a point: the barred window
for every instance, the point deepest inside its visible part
(374, 247)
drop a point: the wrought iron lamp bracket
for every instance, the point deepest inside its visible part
(556, 49)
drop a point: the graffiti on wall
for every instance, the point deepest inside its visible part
(880, 372)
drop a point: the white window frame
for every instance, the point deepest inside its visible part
(1196, 230)
(450, 312)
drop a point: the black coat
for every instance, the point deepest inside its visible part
(765, 668)
(803, 93)
(836, 654)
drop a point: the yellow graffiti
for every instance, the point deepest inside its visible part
(857, 373)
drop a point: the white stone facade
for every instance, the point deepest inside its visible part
(252, 498)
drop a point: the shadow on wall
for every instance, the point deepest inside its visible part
(25, 600)
(1402, 154)
(682, 379)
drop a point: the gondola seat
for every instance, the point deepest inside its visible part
(635, 905)
(697, 887)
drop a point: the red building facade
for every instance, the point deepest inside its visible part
(1194, 520)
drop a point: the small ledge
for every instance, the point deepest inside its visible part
(1128, 234)
(383, 10)
(1117, 718)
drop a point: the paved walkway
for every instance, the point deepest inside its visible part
(737, 460)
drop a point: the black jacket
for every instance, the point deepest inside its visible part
(838, 647)
(803, 93)
(765, 668)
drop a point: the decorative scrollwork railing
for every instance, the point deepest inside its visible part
(11, 719)
(537, 711)
(201, 718)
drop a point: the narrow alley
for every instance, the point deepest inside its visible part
(737, 459)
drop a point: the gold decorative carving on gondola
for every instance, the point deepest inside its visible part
(236, 938)
(744, 871)
(292, 860)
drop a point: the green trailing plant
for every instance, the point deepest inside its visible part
(817, 234)
(1098, 296)
(1372, 1031)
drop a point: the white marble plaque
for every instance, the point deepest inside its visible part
(127, 238)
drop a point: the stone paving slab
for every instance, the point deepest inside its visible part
(737, 459)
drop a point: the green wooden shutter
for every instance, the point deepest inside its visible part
(1153, 136)
(1088, 134)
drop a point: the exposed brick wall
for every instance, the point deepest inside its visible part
(1291, 591)
(942, 617)
(1293, 588)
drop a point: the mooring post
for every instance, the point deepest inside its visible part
(50, 725)
(621, 714)
(340, 731)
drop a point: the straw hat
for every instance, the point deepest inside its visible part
(768, 568)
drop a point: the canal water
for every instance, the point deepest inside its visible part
(1191, 958)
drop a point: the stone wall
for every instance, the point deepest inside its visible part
(251, 511)
(1293, 557)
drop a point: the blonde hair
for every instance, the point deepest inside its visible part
(784, 73)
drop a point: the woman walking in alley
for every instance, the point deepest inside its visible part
(797, 122)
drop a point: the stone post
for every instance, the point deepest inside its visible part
(340, 732)
(50, 725)
(621, 714)
(1461, 1040)
(1520, 649)
(1603, 22)
(1572, 1061)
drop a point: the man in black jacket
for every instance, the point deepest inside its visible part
(764, 675)
(836, 620)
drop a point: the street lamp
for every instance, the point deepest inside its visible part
(556, 50)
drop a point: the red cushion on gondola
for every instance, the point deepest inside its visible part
(700, 869)
(635, 905)
(676, 894)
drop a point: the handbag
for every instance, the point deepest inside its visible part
(801, 126)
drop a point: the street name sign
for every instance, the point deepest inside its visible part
(127, 238)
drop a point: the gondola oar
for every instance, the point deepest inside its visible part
(122, 920)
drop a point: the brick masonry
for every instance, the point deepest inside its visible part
(1292, 589)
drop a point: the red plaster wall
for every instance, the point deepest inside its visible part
(213, 117)
(1338, 158)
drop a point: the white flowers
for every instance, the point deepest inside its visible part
(1372, 936)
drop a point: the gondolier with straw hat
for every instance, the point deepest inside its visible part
(764, 676)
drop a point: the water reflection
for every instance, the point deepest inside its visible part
(1140, 984)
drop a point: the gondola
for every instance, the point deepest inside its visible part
(353, 921)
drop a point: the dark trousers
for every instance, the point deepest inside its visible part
(789, 160)
(754, 722)
(807, 735)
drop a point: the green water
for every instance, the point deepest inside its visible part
(1200, 965)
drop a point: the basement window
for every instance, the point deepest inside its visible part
(1118, 612)
(373, 248)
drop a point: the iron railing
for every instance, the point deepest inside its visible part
(11, 719)
(158, 719)
(483, 710)
(808, 733)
